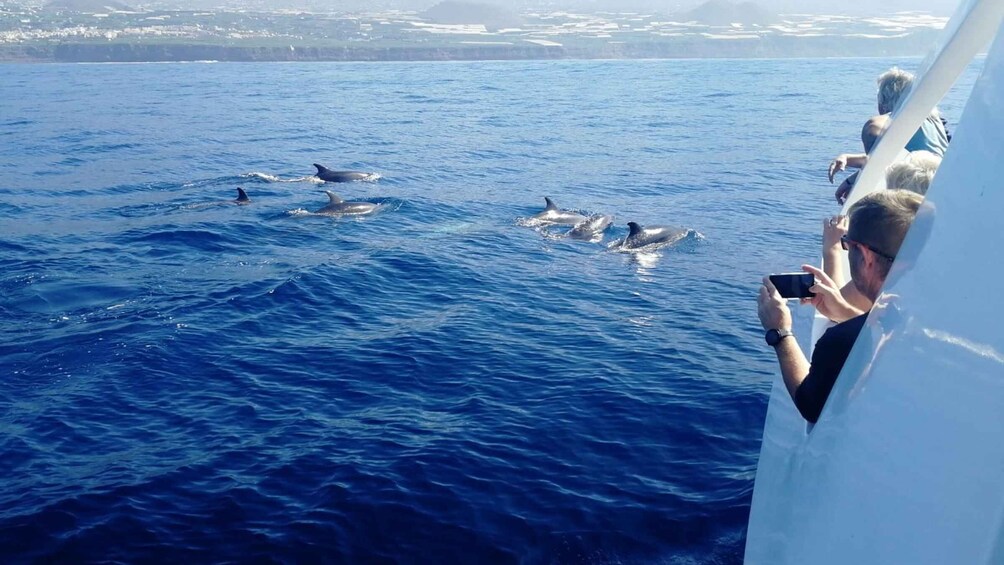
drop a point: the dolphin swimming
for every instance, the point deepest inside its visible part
(591, 229)
(553, 215)
(241, 200)
(328, 175)
(338, 207)
(640, 237)
(242, 197)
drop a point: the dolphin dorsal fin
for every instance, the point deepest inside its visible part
(242, 196)
(635, 228)
(334, 198)
(550, 204)
(320, 168)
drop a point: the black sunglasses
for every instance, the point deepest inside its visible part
(846, 241)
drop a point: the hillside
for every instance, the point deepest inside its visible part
(724, 12)
(472, 13)
(88, 6)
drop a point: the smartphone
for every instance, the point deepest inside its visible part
(794, 285)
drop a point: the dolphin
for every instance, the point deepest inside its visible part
(553, 215)
(591, 229)
(651, 236)
(328, 175)
(242, 197)
(338, 207)
(241, 200)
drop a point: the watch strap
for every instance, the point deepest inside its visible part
(774, 336)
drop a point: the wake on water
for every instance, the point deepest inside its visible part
(381, 208)
(272, 178)
(372, 177)
(252, 176)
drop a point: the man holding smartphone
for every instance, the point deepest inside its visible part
(878, 225)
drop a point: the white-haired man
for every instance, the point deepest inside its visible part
(932, 136)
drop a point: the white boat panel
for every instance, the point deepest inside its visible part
(906, 464)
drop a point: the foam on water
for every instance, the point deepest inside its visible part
(273, 178)
(379, 209)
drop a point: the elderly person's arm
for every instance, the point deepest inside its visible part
(870, 133)
(847, 160)
(833, 252)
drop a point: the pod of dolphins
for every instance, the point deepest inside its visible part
(591, 228)
(588, 228)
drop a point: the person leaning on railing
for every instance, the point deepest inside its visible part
(932, 136)
(878, 223)
(915, 174)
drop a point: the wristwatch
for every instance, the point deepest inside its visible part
(774, 337)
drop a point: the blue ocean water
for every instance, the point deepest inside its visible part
(185, 379)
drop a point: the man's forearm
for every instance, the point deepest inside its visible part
(857, 161)
(794, 365)
(831, 265)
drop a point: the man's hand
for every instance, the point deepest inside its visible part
(844, 190)
(772, 309)
(833, 229)
(837, 165)
(828, 300)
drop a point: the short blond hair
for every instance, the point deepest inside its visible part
(914, 173)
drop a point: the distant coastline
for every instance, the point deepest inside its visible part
(765, 47)
(100, 33)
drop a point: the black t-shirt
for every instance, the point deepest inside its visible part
(827, 360)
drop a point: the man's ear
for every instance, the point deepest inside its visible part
(870, 257)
